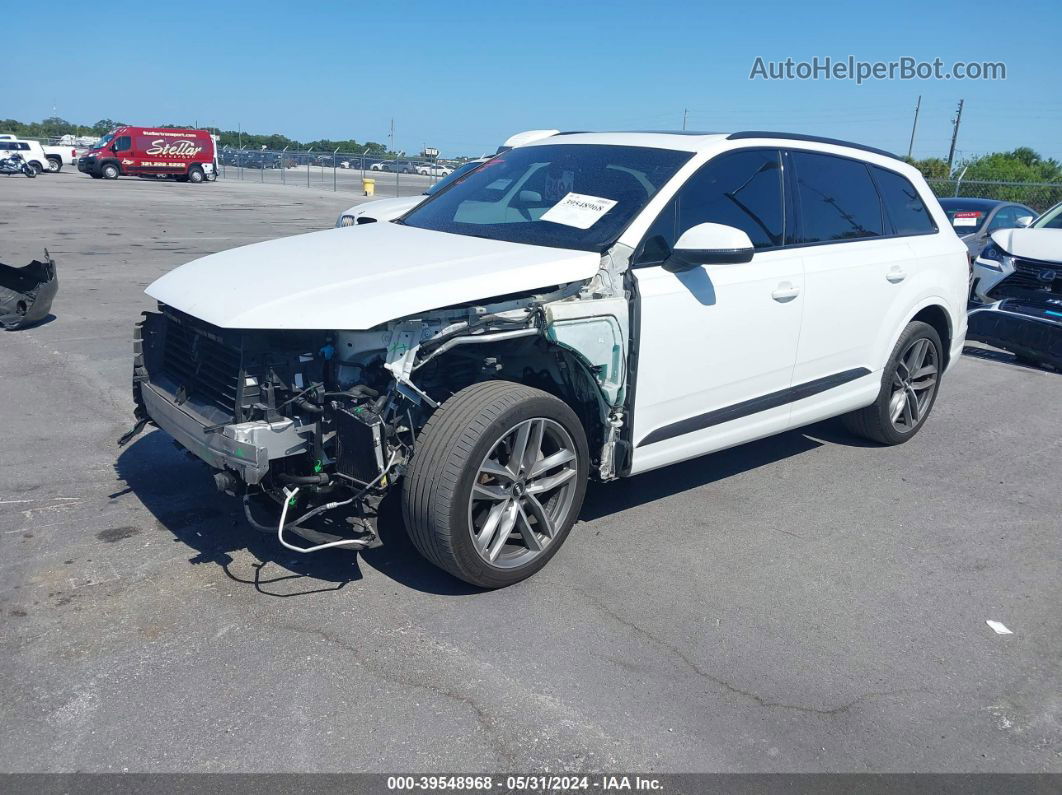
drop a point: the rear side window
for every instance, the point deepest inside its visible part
(1006, 218)
(903, 205)
(836, 197)
(742, 189)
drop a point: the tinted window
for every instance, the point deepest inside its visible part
(1006, 218)
(740, 189)
(903, 205)
(458, 172)
(837, 200)
(122, 144)
(5, 146)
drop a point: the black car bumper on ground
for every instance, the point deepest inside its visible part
(1031, 329)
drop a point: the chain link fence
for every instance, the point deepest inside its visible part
(347, 171)
(338, 171)
(1038, 195)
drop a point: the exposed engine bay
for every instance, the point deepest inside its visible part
(312, 426)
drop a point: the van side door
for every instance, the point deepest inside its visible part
(716, 344)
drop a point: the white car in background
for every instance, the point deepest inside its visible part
(390, 209)
(32, 152)
(434, 170)
(1017, 290)
(1020, 260)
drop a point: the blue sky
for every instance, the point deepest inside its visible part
(462, 76)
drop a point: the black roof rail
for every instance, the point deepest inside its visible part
(811, 138)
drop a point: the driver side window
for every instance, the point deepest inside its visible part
(122, 144)
(742, 189)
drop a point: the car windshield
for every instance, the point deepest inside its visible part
(965, 219)
(105, 140)
(459, 172)
(578, 196)
(1052, 219)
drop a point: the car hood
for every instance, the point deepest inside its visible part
(1041, 244)
(385, 209)
(346, 279)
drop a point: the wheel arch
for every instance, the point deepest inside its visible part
(931, 309)
(937, 316)
(533, 361)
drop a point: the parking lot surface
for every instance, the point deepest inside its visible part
(805, 603)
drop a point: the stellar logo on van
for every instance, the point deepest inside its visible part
(175, 149)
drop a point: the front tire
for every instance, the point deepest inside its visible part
(909, 386)
(110, 171)
(496, 483)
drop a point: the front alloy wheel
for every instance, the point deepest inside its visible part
(496, 482)
(522, 493)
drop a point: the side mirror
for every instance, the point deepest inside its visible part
(1024, 221)
(709, 244)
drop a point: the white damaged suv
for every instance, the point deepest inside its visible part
(595, 305)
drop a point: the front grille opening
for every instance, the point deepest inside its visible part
(208, 370)
(1029, 277)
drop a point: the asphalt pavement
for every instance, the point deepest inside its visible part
(804, 603)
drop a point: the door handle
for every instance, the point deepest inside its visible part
(896, 275)
(785, 292)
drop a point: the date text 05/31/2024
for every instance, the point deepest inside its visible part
(534, 783)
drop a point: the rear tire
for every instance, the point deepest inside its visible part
(478, 508)
(110, 171)
(55, 165)
(37, 167)
(195, 175)
(909, 386)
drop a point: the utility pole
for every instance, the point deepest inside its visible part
(914, 127)
(391, 136)
(954, 135)
(685, 113)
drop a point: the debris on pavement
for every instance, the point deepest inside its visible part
(26, 293)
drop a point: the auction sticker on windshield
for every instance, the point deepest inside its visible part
(966, 219)
(578, 210)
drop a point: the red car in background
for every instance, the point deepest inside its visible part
(184, 155)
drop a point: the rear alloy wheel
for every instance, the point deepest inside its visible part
(496, 482)
(110, 171)
(195, 174)
(55, 165)
(908, 389)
